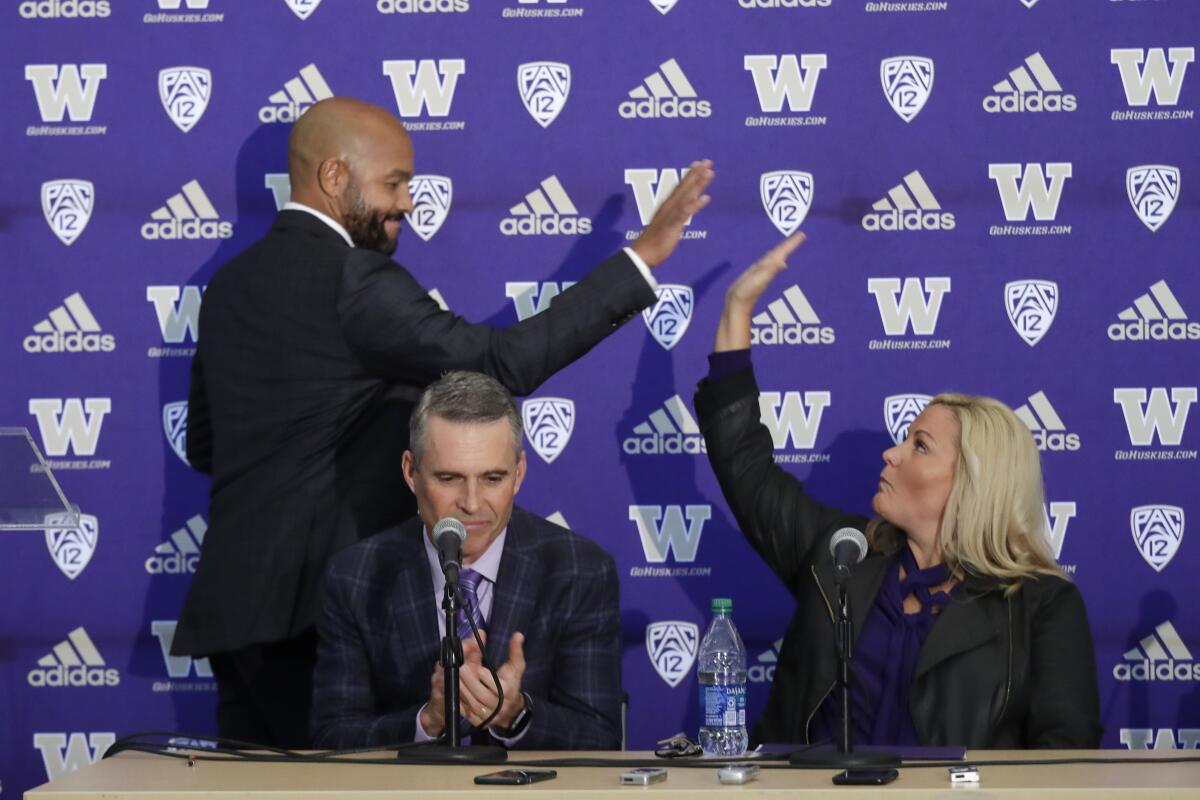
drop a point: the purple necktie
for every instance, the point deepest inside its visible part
(468, 581)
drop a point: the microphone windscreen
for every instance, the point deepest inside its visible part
(452, 526)
(849, 535)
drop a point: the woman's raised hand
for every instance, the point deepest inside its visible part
(733, 331)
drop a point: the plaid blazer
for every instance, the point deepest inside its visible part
(378, 637)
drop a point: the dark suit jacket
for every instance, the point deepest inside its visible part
(378, 637)
(310, 358)
(998, 671)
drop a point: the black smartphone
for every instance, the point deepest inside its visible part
(865, 777)
(516, 777)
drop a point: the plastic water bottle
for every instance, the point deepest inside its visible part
(723, 685)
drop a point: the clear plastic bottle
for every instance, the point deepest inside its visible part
(722, 668)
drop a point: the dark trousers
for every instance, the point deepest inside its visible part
(264, 691)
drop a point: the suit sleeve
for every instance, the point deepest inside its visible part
(344, 706)
(1064, 701)
(390, 320)
(582, 711)
(199, 428)
(778, 517)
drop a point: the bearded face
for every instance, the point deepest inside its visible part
(368, 226)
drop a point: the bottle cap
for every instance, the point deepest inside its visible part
(722, 605)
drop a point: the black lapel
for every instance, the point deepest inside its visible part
(414, 612)
(862, 588)
(516, 590)
(964, 625)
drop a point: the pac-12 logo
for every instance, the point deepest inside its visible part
(907, 83)
(67, 206)
(899, 410)
(184, 92)
(1153, 190)
(71, 548)
(175, 420)
(431, 195)
(544, 88)
(549, 422)
(672, 647)
(786, 196)
(1031, 307)
(1157, 532)
(668, 319)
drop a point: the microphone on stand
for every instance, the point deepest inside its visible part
(848, 547)
(449, 535)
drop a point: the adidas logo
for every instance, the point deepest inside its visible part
(909, 206)
(665, 94)
(1155, 316)
(70, 328)
(296, 96)
(784, 3)
(671, 430)
(422, 6)
(1046, 426)
(1161, 656)
(547, 211)
(1030, 87)
(764, 670)
(64, 9)
(790, 320)
(180, 552)
(187, 215)
(74, 661)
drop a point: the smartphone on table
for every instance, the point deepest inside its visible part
(515, 777)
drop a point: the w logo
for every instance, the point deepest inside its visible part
(178, 311)
(1020, 191)
(424, 83)
(549, 422)
(1165, 417)
(531, 298)
(63, 754)
(1144, 72)
(672, 534)
(788, 417)
(779, 78)
(69, 88)
(668, 319)
(72, 424)
(650, 188)
(177, 666)
(1058, 515)
(919, 304)
(787, 196)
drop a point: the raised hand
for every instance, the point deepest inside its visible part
(659, 238)
(733, 331)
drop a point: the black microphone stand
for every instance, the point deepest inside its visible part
(846, 756)
(451, 659)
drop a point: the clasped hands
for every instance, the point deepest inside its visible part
(477, 691)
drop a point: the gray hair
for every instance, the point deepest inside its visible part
(468, 397)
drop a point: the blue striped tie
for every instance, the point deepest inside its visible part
(468, 581)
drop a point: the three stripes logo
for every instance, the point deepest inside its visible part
(1031, 306)
(188, 214)
(179, 554)
(665, 94)
(1157, 533)
(1049, 432)
(1154, 316)
(184, 92)
(295, 97)
(544, 87)
(67, 206)
(790, 320)
(1153, 190)
(546, 211)
(1161, 656)
(1030, 87)
(670, 430)
(74, 661)
(549, 422)
(69, 328)
(908, 206)
(764, 670)
(907, 83)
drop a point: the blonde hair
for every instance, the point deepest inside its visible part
(994, 522)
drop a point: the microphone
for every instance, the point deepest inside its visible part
(448, 536)
(848, 547)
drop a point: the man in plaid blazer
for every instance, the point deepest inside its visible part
(547, 599)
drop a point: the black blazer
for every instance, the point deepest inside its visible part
(311, 356)
(997, 671)
(378, 635)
